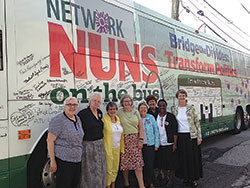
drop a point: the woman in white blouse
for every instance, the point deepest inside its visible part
(189, 141)
(113, 142)
(165, 156)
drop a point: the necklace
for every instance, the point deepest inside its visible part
(116, 125)
(162, 119)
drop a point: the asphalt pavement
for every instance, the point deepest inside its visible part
(226, 163)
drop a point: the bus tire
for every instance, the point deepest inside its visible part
(239, 121)
(246, 119)
(48, 178)
(35, 164)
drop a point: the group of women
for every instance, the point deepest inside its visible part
(86, 150)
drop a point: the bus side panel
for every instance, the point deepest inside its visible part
(4, 161)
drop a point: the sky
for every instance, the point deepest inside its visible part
(231, 21)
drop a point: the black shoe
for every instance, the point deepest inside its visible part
(164, 182)
(193, 184)
(169, 185)
(186, 182)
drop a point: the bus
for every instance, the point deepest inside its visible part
(52, 49)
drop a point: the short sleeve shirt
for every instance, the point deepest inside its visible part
(69, 133)
(93, 127)
(129, 121)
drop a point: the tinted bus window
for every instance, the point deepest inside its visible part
(247, 60)
(222, 56)
(1, 51)
(156, 35)
(239, 64)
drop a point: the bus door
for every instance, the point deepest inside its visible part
(4, 164)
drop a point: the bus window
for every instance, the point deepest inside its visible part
(239, 64)
(247, 60)
(156, 35)
(1, 51)
(223, 56)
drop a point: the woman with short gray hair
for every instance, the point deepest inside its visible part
(64, 143)
(131, 159)
(93, 155)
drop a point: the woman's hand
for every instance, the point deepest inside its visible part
(156, 149)
(174, 147)
(53, 166)
(198, 142)
(51, 150)
(140, 144)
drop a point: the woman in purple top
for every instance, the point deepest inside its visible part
(64, 143)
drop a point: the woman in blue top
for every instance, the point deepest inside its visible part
(150, 143)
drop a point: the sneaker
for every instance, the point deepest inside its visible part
(193, 184)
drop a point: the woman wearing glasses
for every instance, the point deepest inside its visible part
(93, 155)
(64, 143)
(165, 156)
(133, 140)
(113, 141)
(150, 143)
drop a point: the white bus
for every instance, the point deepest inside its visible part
(52, 49)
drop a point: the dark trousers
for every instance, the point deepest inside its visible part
(148, 153)
(67, 174)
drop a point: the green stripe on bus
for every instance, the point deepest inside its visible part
(218, 125)
(16, 175)
(4, 173)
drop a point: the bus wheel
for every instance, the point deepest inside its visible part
(246, 121)
(48, 178)
(238, 121)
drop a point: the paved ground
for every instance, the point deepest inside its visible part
(226, 163)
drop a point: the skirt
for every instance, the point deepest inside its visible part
(189, 158)
(93, 165)
(131, 159)
(165, 158)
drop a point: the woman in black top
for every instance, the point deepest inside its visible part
(165, 156)
(94, 155)
(153, 109)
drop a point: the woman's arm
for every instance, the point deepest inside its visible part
(198, 127)
(156, 134)
(51, 150)
(140, 134)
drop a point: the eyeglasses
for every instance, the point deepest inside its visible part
(97, 101)
(127, 101)
(112, 109)
(71, 105)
